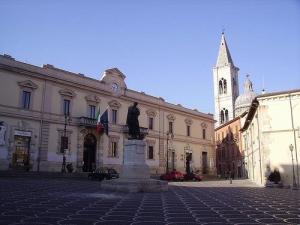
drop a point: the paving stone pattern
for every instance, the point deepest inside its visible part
(29, 201)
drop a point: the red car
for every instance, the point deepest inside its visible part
(174, 175)
(193, 176)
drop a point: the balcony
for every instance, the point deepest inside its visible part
(87, 122)
(143, 130)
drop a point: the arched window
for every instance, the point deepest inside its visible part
(226, 116)
(233, 85)
(225, 86)
(222, 116)
(220, 87)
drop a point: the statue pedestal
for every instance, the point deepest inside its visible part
(135, 173)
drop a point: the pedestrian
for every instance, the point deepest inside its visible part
(230, 176)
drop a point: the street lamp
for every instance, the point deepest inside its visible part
(65, 142)
(243, 165)
(172, 136)
(294, 180)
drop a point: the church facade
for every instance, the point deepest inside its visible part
(48, 115)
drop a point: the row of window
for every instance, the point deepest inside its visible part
(28, 87)
(64, 144)
(232, 135)
(92, 114)
(26, 104)
(222, 153)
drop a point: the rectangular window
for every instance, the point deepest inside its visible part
(92, 111)
(150, 152)
(219, 154)
(114, 116)
(188, 131)
(232, 150)
(171, 127)
(66, 107)
(26, 99)
(150, 123)
(63, 143)
(113, 150)
(203, 134)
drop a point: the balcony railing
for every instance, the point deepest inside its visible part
(88, 122)
(143, 130)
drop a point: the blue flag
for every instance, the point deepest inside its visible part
(104, 120)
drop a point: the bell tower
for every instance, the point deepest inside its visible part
(226, 85)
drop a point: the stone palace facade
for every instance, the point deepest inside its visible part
(45, 110)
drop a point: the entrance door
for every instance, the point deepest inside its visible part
(204, 163)
(220, 169)
(188, 157)
(89, 153)
(21, 154)
(173, 160)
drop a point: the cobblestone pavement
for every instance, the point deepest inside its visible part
(79, 201)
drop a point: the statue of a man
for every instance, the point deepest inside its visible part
(133, 122)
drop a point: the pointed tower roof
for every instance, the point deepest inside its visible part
(224, 57)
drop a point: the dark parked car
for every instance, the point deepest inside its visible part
(193, 176)
(174, 175)
(103, 174)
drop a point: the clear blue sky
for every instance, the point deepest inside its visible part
(165, 48)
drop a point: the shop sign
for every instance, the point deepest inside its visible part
(22, 133)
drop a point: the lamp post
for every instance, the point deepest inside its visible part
(168, 136)
(243, 165)
(245, 170)
(65, 142)
(294, 180)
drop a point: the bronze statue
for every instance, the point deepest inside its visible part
(133, 122)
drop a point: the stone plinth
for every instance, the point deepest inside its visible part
(135, 173)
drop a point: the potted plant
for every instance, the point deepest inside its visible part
(27, 166)
(70, 167)
(275, 177)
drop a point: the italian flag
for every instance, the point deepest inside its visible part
(99, 125)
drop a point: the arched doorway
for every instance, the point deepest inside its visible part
(89, 153)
